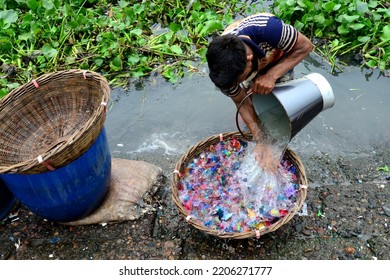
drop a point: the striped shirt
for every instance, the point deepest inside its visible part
(269, 37)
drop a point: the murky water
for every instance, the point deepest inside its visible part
(164, 119)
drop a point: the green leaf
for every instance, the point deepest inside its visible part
(318, 33)
(123, 4)
(138, 8)
(5, 45)
(371, 63)
(335, 43)
(3, 92)
(299, 25)
(382, 65)
(25, 36)
(8, 17)
(175, 27)
(73, 24)
(170, 75)
(350, 18)
(197, 6)
(336, 7)
(306, 18)
(49, 51)
(384, 168)
(228, 18)
(310, 6)
(376, 16)
(176, 49)
(372, 4)
(361, 7)
(32, 4)
(342, 30)
(320, 19)
(356, 26)
(301, 3)
(202, 52)
(194, 16)
(329, 6)
(47, 4)
(138, 73)
(133, 59)
(364, 39)
(385, 36)
(346, 18)
(99, 61)
(290, 3)
(136, 32)
(116, 64)
(209, 27)
(385, 11)
(213, 25)
(328, 22)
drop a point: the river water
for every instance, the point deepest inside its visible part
(157, 118)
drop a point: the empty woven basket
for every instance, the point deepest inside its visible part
(49, 122)
(200, 147)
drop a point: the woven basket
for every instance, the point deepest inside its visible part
(49, 122)
(200, 147)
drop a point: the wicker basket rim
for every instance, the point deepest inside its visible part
(79, 140)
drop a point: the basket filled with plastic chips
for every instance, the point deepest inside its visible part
(218, 188)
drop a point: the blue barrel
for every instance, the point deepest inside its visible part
(7, 200)
(68, 193)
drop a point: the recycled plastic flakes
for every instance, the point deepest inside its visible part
(213, 190)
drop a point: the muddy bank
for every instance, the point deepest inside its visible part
(346, 217)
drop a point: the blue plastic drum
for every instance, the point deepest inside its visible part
(7, 200)
(68, 193)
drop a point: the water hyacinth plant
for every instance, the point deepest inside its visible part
(124, 39)
(341, 27)
(120, 39)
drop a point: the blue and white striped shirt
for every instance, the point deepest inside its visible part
(269, 37)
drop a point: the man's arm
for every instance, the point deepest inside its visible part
(249, 116)
(265, 83)
(263, 150)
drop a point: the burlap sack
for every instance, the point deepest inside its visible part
(133, 183)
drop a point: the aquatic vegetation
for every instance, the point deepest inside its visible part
(129, 39)
(120, 39)
(340, 27)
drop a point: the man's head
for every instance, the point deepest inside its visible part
(227, 60)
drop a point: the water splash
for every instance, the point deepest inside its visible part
(261, 188)
(170, 143)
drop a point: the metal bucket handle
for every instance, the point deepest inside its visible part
(237, 112)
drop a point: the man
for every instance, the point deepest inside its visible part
(251, 56)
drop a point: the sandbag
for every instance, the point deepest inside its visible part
(132, 185)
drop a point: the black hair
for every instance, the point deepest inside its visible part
(226, 58)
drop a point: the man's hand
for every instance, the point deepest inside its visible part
(266, 157)
(264, 84)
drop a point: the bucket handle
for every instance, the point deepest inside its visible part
(237, 112)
